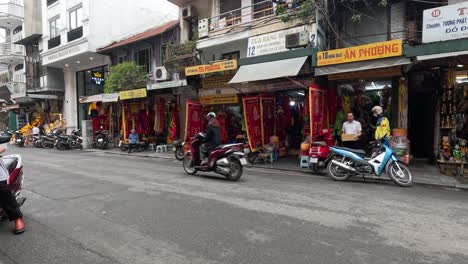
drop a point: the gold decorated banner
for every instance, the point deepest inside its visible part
(392, 48)
(219, 99)
(216, 82)
(132, 94)
(209, 68)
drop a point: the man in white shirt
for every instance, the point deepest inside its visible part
(7, 199)
(352, 127)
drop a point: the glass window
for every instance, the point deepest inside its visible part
(76, 18)
(144, 59)
(53, 27)
(163, 54)
(122, 58)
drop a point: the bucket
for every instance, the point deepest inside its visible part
(399, 132)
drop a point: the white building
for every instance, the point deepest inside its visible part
(74, 29)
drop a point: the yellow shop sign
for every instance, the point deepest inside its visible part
(392, 48)
(132, 94)
(219, 99)
(209, 68)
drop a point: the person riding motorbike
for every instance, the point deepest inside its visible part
(383, 125)
(7, 200)
(213, 137)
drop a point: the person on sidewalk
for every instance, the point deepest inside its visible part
(133, 139)
(352, 127)
(383, 125)
(213, 137)
(8, 200)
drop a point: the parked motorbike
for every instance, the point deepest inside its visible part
(178, 148)
(19, 139)
(36, 141)
(227, 160)
(5, 137)
(102, 139)
(48, 141)
(320, 152)
(72, 141)
(123, 146)
(14, 165)
(348, 162)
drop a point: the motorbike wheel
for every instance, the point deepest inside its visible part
(337, 173)
(124, 147)
(47, 145)
(21, 144)
(188, 167)
(61, 145)
(251, 157)
(400, 174)
(236, 170)
(179, 153)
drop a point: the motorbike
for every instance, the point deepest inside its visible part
(102, 139)
(48, 141)
(5, 137)
(178, 148)
(227, 160)
(36, 141)
(123, 146)
(14, 165)
(348, 162)
(74, 140)
(320, 152)
(19, 139)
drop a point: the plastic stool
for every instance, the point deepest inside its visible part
(159, 148)
(164, 148)
(152, 147)
(304, 164)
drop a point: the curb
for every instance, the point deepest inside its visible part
(454, 186)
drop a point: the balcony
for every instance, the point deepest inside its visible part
(17, 89)
(11, 53)
(11, 14)
(53, 42)
(4, 79)
(74, 34)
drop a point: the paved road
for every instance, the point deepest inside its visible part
(98, 208)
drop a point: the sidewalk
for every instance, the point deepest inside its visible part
(424, 174)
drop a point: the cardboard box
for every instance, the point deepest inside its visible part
(348, 137)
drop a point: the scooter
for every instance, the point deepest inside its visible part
(227, 160)
(178, 148)
(72, 141)
(320, 152)
(123, 146)
(348, 162)
(48, 141)
(14, 165)
(102, 139)
(19, 139)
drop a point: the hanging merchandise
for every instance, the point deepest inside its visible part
(173, 124)
(268, 118)
(253, 121)
(221, 116)
(193, 119)
(333, 104)
(318, 110)
(280, 129)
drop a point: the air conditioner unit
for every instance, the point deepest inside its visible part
(187, 12)
(203, 28)
(296, 40)
(161, 74)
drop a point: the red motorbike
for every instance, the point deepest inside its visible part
(320, 152)
(227, 160)
(14, 165)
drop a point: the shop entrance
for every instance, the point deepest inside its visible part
(421, 105)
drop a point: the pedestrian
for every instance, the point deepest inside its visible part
(133, 139)
(36, 131)
(383, 125)
(351, 127)
(7, 200)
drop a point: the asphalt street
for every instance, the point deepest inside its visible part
(98, 208)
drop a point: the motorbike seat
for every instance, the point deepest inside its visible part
(227, 145)
(356, 151)
(10, 163)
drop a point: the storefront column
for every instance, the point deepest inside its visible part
(70, 112)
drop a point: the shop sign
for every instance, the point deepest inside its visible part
(384, 72)
(112, 97)
(214, 82)
(445, 23)
(97, 77)
(210, 68)
(276, 41)
(169, 84)
(133, 94)
(219, 99)
(392, 48)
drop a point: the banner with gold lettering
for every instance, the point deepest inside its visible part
(193, 119)
(318, 110)
(253, 122)
(267, 105)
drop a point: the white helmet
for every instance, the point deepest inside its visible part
(211, 115)
(378, 110)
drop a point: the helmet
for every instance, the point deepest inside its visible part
(378, 110)
(211, 115)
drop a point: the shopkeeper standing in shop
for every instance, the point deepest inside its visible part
(383, 125)
(352, 127)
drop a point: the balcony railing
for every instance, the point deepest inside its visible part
(17, 89)
(12, 8)
(51, 2)
(242, 15)
(54, 42)
(4, 79)
(10, 50)
(74, 34)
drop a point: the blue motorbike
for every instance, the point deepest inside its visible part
(348, 162)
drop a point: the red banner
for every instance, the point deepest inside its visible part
(268, 118)
(318, 110)
(253, 123)
(193, 119)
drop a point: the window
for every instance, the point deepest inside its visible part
(163, 55)
(262, 8)
(143, 58)
(231, 56)
(53, 27)
(76, 18)
(230, 12)
(50, 2)
(122, 58)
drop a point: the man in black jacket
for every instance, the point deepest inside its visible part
(213, 137)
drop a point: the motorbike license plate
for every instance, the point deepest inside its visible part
(243, 161)
(174, 149)
(18, 140)
(313, 160)
(100, 140)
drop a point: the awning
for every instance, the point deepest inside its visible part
(106, 98)
(269, 70)
(441, 55)
(361, 66)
